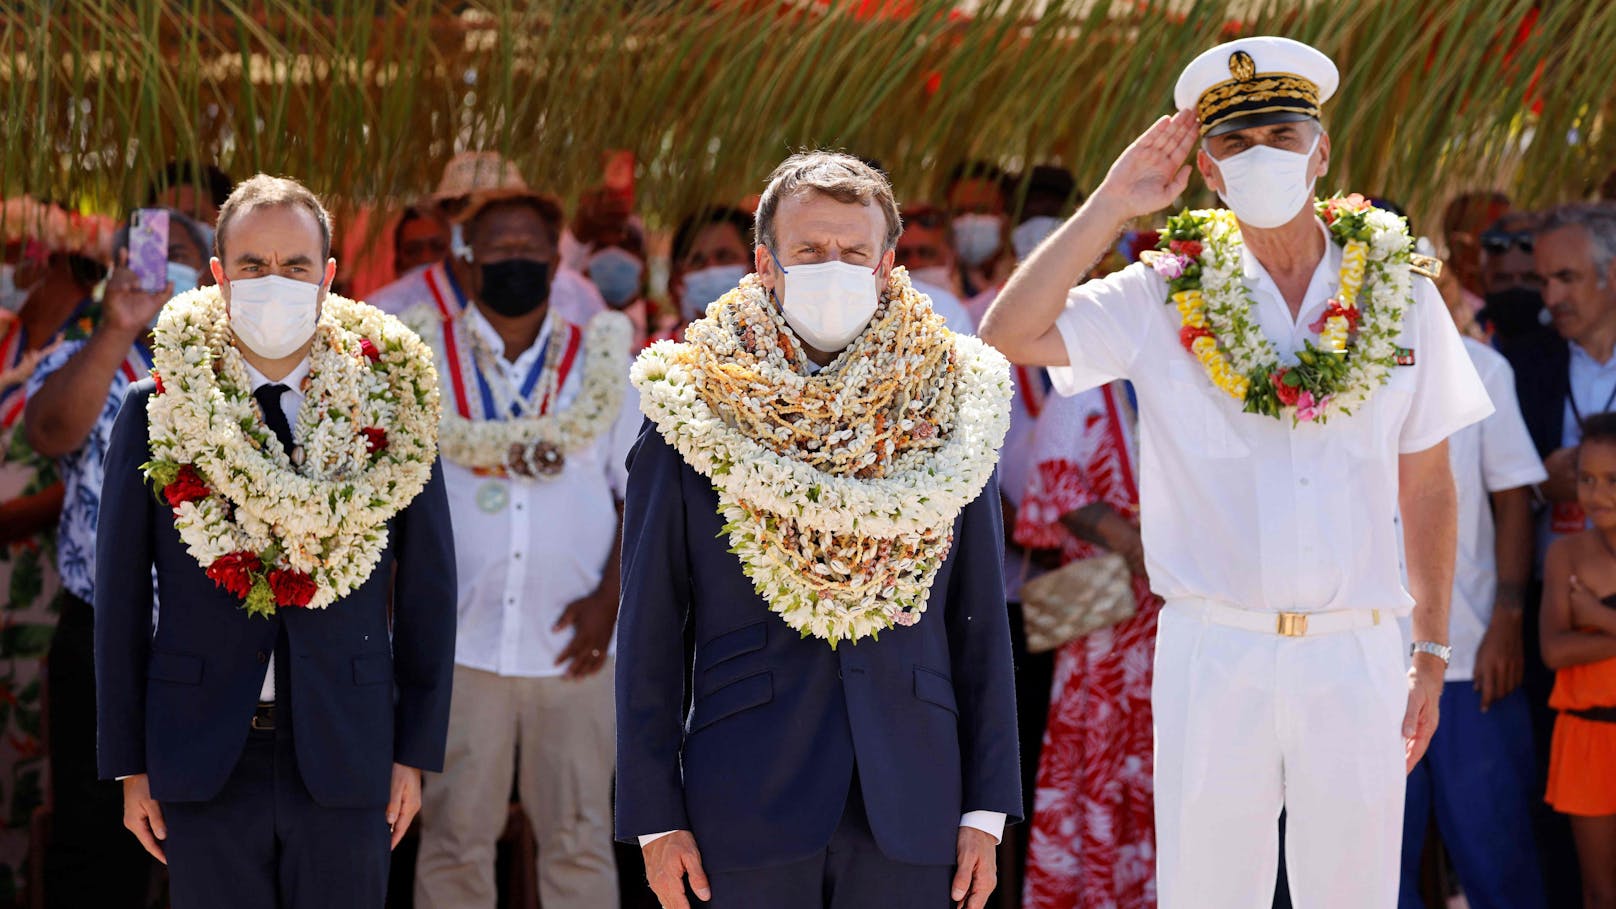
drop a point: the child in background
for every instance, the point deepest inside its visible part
(1579, 643)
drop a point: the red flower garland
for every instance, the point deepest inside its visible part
(187, 487)
(234, 572)
(291, 588)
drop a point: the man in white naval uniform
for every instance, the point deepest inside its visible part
(1282, 680)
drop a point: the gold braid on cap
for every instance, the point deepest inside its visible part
(1252, 93)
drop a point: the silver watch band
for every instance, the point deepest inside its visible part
(1441, 651)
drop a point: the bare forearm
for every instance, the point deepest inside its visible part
(1563, 648)
(1026, 309)
(64, 410)
(1512, 515)
(1430, 533)
(24, 516)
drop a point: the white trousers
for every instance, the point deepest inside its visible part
(1248, 723)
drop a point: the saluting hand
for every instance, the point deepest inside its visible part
(1151, 172)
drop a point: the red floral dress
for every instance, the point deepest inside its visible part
(1093, 840)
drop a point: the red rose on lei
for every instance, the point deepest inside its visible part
(1188, 335)
(234, 572)
(1191, 248)
(375, 439)
(187, 487)
(157, 379)
(1288, 394)
(369, 350)
(291, 588)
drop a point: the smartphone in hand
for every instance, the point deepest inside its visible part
(148, 248)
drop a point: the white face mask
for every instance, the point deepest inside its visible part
(12, 297)
(705, 285)
(977, 238)
(828, 304)
(1266, 186)
(935, 275)
(1031, 232)
(273, 316)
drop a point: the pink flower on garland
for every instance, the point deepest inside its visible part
(1170, 266)
(1308, 409)
(369, 350)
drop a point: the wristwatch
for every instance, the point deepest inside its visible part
(1441, 651)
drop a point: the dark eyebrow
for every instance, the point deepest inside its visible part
(251, 259)
(297, 260)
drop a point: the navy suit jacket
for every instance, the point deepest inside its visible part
(1542, 366)
(177, 705)
(760, 768)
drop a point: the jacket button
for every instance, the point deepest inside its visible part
(263, 657)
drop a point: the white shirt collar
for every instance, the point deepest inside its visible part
(1326, 277)
(495, 343)
(293, 380)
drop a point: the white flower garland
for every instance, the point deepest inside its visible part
(1226, 335)
(367, 430)
(854, 522)
(486, 444)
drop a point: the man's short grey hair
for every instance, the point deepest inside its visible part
(1597, 219)
(842, 177)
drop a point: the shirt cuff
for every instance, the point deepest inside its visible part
(989, 822)
(650, 838)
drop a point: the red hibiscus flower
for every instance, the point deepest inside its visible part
(1191, 248)
(291, 588)
(187, 487)
(1288, 394)
(375, 439)
(1336, 309)
(1188, 335)
(234, 572)
(159, 380)
(369, 350)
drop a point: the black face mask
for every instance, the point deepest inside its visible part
(515, 287)
(1513, 312)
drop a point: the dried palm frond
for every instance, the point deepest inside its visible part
(366, 99)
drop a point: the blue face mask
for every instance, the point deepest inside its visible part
(707, 285)
(183, 277)
(616, 273)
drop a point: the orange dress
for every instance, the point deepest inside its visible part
(1582, 760)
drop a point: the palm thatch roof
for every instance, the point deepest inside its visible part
(366, 99)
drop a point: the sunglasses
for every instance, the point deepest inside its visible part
(1497, 241)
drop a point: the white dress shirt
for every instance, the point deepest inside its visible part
(989, 822)
(526, 549)
(1487, 457)
(291, 403)
(1246, 509)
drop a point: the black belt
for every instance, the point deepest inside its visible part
(263, 718)
(1596, 714)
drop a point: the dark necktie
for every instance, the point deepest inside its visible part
(269, 400)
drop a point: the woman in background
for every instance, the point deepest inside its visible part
(1093, 827)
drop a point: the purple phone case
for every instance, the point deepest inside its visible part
(148, 248)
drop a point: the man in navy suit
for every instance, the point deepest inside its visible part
(271, 761)
(824, 761)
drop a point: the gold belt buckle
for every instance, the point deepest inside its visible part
(1291, 624)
